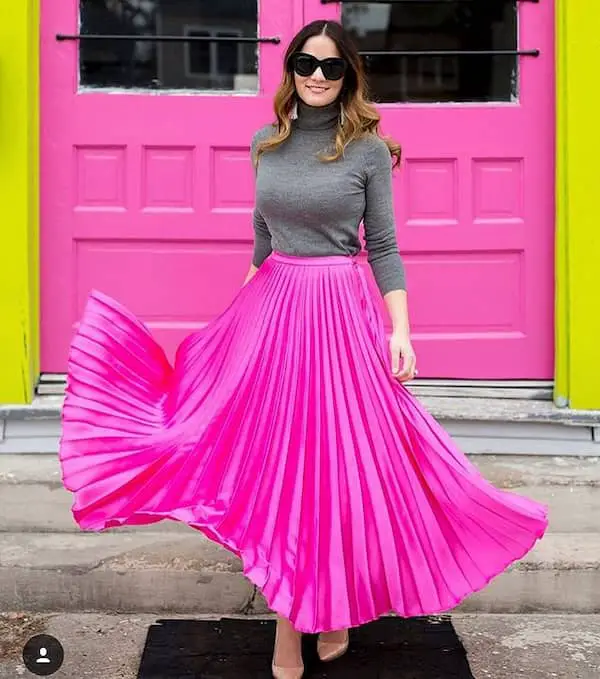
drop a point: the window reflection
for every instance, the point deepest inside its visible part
(131, 63)
(423, 25)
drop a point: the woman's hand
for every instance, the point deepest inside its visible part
(250, 275)
(401, 348)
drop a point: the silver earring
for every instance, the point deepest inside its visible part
(342, 115)
(294, 112)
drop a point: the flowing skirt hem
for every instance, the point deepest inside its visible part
(259, 573)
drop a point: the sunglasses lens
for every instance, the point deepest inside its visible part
(333, 69)
(304, 64)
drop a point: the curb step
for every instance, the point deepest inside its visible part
(160, 572)
(445, 404)
(504, 471)
(39, 508)
(493, 421)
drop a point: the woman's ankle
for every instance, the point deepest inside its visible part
(334, 636)
(288, 645)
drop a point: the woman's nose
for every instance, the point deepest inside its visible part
(318, 74)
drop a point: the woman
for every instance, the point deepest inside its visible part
(283, 430)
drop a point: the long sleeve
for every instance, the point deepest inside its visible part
(379, 221)
(262, 235)
(262, 239)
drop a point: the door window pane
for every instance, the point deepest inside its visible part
(198, 54)
(214, 65)
(426, 25)
(197, 65)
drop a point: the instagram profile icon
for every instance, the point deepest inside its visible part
(43, 655)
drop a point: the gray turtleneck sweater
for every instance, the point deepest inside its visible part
(308, 207)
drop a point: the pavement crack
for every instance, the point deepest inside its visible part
(247, 608)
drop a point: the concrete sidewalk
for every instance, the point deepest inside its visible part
(100, 646)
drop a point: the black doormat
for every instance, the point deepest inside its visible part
(387, 648)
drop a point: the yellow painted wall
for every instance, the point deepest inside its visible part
(19, 262)
(578, 205)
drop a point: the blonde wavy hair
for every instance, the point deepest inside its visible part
(360, 115)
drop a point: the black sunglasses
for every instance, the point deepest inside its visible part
(333, 68)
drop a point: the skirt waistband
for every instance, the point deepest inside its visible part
(313, 260)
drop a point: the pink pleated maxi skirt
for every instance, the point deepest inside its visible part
(280, 433)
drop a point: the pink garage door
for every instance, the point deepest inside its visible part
(474, 200)
(147, 188)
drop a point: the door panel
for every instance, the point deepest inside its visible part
(474, 197)
(147, 185)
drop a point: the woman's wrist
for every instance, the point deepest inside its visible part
(397, 306)
(401, 332)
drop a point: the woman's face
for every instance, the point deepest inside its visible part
(315, 89)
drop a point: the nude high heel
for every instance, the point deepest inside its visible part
(284, 672)
(330, 650)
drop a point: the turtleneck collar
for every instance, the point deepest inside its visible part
(317, 117)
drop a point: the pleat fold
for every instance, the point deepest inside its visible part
(280, 433)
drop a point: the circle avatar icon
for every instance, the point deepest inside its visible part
(43, 655)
